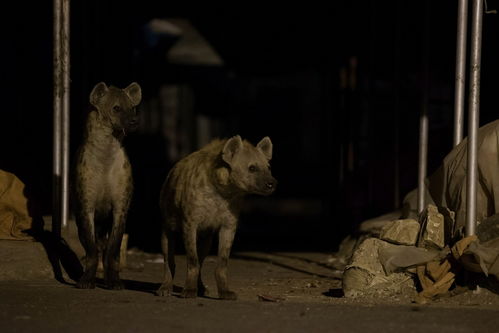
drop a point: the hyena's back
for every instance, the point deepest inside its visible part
(189, 184)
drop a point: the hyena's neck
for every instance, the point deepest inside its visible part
(224, 186)
(100, 136)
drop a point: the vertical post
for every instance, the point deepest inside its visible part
(423, 154)
(61, 115)
(473, 116)
(423, 120)
(396, 108)
(462, 22)
(56, 156)
(65, 112)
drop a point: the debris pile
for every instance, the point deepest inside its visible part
(425, 257)
(430, 247)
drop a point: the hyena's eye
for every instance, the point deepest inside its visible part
(252, 168)
(116, 108)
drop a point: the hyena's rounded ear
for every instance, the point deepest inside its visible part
(265, 146)
(134, 93)
(97, 93)
(231, 147)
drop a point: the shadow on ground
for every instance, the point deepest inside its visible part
(61, 257)
(293, 262)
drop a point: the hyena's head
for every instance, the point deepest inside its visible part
(249, 167)
(117, 106)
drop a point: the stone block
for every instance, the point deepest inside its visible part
(402, 232)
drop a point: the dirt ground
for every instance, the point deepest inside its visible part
(278, 292)
(294, 278)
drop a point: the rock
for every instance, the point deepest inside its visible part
(366, 276)
(401, 232)
(433, 228)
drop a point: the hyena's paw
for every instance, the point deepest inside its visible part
(86, 283)
(164, 290)
(227, 295)
(189, 293)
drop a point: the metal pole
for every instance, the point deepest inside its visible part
(474, 109)
(423, 154)
(423, 120)
(65, 112)
(61, 116)
(396, 109)
(56, 157)
(462, 22)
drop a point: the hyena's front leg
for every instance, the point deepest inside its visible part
(190, 241)
(86, 233)
(112, 252)
(225, 239)
(204, 245)
(167, 247)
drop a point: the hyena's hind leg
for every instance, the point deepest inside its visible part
(168, 249)
(86, 233)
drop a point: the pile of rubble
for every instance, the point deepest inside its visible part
(427, 258)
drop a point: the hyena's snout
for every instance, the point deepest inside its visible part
(268, 185)
(133, 123)
(130, 121)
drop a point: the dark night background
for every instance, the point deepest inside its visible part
(338, 87)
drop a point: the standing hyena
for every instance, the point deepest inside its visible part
(201, 196)
(103, 180)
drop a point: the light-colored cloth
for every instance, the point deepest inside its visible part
(15, 219)
(447, 185)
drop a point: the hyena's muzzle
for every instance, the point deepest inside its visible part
(266, 184)
(126, 119)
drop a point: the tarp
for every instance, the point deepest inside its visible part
(447, 185)
(15, 219)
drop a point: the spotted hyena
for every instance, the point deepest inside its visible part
(103, 180)
(201, 197)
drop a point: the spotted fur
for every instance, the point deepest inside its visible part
(201, 197)
(103, 180)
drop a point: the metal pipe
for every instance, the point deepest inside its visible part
(423, 156)
(473, 116)
(462, 22)
(396, 108)
(60, 192)
(56, 155)
(65, 112)
(423, 119)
